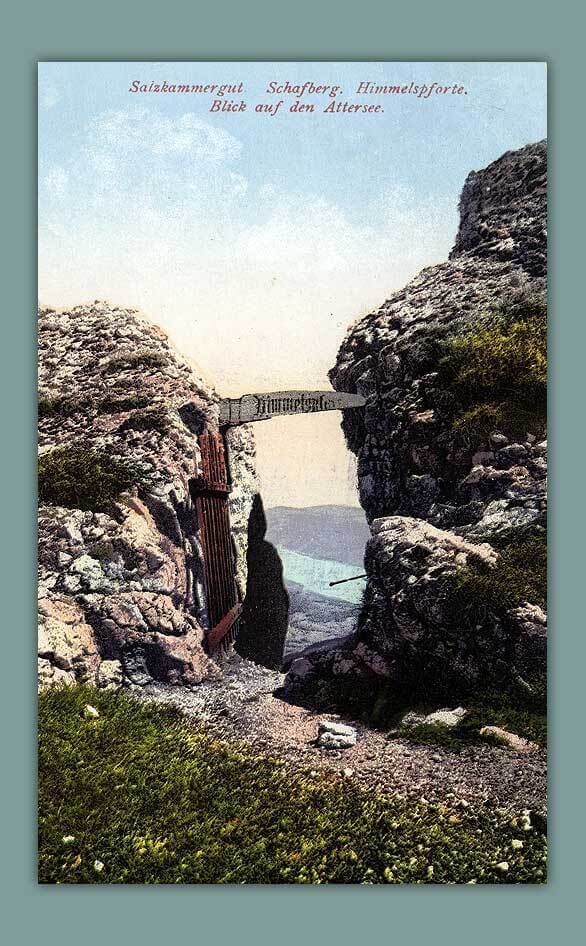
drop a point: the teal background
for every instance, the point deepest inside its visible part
(297, 30)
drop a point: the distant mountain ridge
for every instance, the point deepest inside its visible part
(336, 533)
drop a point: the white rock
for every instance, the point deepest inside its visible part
(338, 729)
(90, 712)
(509, 739)
(98, 866)
(516, 844)
(334, 735)
(445, 717)
(503, 867)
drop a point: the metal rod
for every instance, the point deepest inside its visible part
(342, 580)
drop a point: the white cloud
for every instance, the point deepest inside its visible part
(56, 181)
(238, 185)
(150, 131)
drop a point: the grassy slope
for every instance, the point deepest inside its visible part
(157, 801)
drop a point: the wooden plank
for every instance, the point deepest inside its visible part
(222, 627)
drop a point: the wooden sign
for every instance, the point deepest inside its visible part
(253, 407)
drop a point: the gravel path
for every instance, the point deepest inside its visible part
(243, 706)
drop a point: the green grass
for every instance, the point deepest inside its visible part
(63, 406)
(123, 403)
(79, 477)
(498, 373)
(515, 418)
(59, 406)
(159, 801)
(520, 574)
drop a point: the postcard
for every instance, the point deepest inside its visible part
(292, 403)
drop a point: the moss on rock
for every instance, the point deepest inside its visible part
(81, 478)
(498, 372)
(519, 575)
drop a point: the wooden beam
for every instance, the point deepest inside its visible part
(221, 629)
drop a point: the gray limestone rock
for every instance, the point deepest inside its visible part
(121, 589)
(437, 503)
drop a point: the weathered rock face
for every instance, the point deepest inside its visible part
(407, 463)
(121, 589)
(433, 498)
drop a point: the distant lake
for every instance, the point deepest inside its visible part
(316, 573)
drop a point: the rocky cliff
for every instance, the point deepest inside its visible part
(452, 456)
(121, 596)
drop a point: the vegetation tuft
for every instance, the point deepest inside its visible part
(79, 477)
(154, 800)
(519, 575)
(498, 373)
(63, 406)
(115, 405)
(497, 711)
(136, 359)
(59, 406)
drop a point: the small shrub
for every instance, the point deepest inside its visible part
(79, 477)
(137, 359)
(115, 405)
(59, 406)
(504, 356)
(498, 373)
(515, 418)
(519, 575)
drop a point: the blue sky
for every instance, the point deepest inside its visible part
(254, 239)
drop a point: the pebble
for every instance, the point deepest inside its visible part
(98, 866)
(90, 712)
(503, 867)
